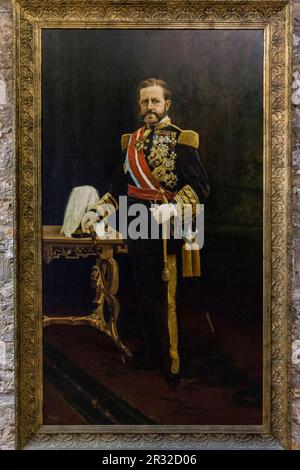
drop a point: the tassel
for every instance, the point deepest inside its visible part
(165, 274)
(196, 260)
(191, 260)
(187, 267)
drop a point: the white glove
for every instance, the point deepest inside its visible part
(89, 219)
(162, 213)
(100, 228)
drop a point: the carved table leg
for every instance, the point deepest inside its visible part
(105, 278)
(105, 316)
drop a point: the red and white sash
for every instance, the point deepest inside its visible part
(137, 164)
(147, 186)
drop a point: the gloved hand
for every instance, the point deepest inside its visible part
(162, 213)
(89, 219)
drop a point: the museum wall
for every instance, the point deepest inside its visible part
(8, 382)
(7, 208)
(296, 230)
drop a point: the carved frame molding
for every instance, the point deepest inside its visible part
(275, 18)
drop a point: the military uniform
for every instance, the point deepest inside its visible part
(159, 164)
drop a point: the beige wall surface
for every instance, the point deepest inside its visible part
(7, 207)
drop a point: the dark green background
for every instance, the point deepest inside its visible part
(89, 78)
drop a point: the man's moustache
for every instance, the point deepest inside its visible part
(149, 114)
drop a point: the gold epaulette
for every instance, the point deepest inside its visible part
(124, 141)
(176, 127)
(190, 138)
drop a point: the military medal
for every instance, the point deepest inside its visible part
(162, 157)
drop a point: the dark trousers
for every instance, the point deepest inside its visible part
(156, 302)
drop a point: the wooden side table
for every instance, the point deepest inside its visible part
(105, 278)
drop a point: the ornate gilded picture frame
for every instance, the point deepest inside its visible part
(32, 18)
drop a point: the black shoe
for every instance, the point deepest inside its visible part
(172, 379)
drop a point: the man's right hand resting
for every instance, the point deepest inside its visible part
(89, 219)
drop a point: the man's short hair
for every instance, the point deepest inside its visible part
(154, 82)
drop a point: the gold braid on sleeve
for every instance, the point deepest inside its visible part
(188, 206)
(188, 202)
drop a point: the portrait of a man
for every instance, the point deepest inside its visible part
(142, 131)
(162, 165)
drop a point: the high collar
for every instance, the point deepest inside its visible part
(166, 121)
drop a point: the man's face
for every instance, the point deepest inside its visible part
(153, 106)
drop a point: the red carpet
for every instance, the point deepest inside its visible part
(216, 368)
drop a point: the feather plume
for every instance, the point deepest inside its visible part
(81, 199)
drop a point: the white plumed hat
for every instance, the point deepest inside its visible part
(81, 199)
